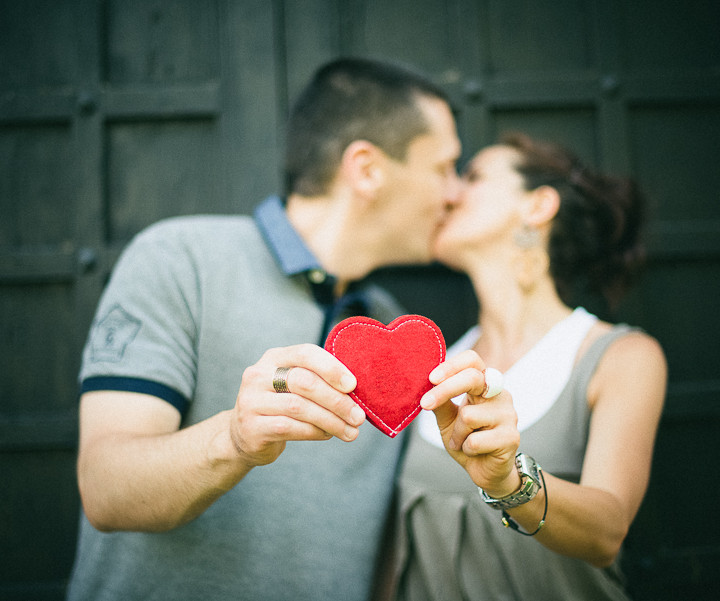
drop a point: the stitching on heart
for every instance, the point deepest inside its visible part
(416, 410)
(400, 426)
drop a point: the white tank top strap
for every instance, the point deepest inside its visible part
(538, 378)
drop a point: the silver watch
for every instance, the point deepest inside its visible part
(529, 472)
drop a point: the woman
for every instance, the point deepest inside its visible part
(582, 397)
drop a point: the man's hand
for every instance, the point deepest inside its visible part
(317, 406)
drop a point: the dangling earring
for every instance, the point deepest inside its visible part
(532, 260)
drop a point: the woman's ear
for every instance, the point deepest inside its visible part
(361, 167)
(542, 206)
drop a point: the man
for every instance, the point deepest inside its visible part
(186, 496)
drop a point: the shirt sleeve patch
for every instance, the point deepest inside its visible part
(112, 335)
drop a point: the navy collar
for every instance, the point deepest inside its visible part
(289, 249)
(295, 259)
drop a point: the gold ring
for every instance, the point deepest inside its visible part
(280, 379)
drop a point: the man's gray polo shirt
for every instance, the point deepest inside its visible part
(192, 302)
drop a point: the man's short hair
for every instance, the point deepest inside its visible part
(352, 99)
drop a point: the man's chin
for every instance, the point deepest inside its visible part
(438, 248)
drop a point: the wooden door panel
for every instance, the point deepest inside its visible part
(666, 36)
(162, 42)
(112, 115)
(681, 306)
(527, 37)
(410, 31)
(37, 44)
(158, 169)
(574, 127)
(38, 537)
(38, 350)
(36, 188)
(37, 360)
(675, 153)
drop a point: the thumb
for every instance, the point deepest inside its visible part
(446, 414)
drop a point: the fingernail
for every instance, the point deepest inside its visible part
(357, 415)
(350, 433)
(426, 400)
(348, 382)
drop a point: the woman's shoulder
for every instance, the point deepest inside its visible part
(628, 340)
(624, 340)
(630, 355)
(634, 350)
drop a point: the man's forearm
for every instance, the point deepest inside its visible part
(156, 482)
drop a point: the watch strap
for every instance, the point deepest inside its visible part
(530, 484)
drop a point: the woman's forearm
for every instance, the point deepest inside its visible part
(582, 522)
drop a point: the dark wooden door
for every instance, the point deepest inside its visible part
(114, 114)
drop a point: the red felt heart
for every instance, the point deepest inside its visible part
(391, 363)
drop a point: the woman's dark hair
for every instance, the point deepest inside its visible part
(594, 243)
(352, 99)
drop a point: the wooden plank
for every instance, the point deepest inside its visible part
(695, 400)
(53, 590)
(253, 107)
(674, 573)
(684, 239)
(39, 106)
(161, 102)
(39, 432)
(37, 266)
(568, 90)
(672, 88)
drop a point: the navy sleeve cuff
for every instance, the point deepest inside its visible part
(140, 385)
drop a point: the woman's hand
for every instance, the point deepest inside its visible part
(480, 434)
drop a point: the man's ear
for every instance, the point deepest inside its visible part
(362, 168)
(542, 206)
